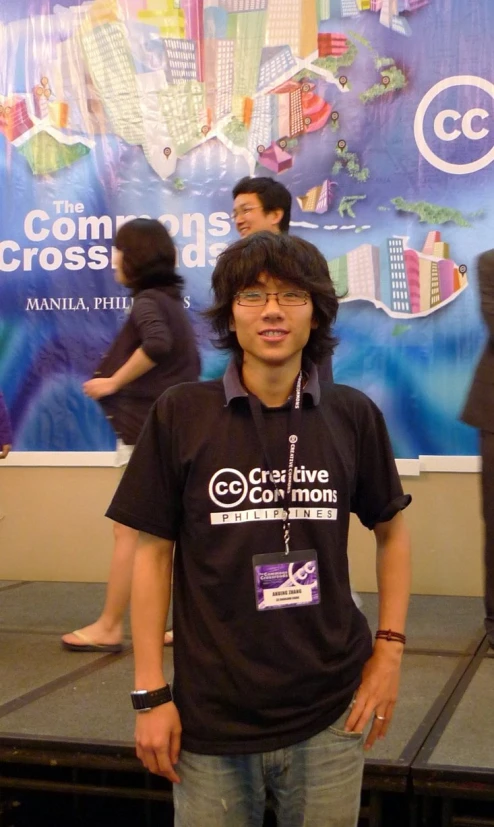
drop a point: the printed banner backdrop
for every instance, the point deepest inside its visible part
(378, 116)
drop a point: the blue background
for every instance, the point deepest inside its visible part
(417, 372)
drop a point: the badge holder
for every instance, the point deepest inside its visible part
(283, 580)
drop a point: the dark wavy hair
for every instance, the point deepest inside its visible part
(271, 194)
(149, 256)
(284, 257)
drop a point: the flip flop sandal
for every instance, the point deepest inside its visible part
(88, 645)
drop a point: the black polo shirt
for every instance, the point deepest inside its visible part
(248, 680)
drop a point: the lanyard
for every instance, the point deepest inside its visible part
(294, 424)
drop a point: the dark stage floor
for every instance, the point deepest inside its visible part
(66, 727)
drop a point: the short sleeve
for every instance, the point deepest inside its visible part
(150, 493)
(378, 494)
(154, 332)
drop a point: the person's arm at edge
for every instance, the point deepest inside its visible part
(486, 289)
(378, 690)
(5, 429)
(158, 732)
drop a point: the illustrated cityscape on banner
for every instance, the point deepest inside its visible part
(115, 108)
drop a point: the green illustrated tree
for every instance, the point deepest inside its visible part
(345, 207)
(431, 213)
(400, 329)
(349, 162)
(392, 80)
(334, 62)
(236, 132)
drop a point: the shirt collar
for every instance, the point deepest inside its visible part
(234, 388)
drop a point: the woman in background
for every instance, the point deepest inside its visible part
(154, 350)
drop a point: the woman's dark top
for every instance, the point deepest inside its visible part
(159, 324)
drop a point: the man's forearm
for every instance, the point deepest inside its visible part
(151, 586)
(393, 573)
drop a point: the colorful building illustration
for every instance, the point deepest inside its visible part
(331, 44)
(398, 297)
(165, 15)
(261, 125)
(180, 59)
(329, 9)
(275, 159)
(233, 6)
(110, 66)
(292, 23)
(391, 18)
(446, 278)
(323, 10)
(248, 32)
(401, 26)
(349, 8)
(135, 6)
(70, 82)
(363, 272)
(412, 268)
(14, 117)
(318, 199)
(184, 112)
(290, 111)
(58, 113)
(403, 280)
(104, 11)
(315, 109)
(215, 23)
(219, 70)
(275, 61)
(432, 238)
(194, 30)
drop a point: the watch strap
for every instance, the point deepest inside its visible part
(143, 701)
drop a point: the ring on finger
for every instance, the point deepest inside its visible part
(380, 717)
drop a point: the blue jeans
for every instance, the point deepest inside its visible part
(315, 783)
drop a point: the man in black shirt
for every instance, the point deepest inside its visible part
(253, 478)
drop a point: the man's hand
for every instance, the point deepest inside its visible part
(5, 451)
(97, 388)
(378, 691)
(158, 735)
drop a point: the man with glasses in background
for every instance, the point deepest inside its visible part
(253, 477)
(261, 204)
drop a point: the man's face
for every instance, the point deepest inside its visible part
(273, 334)
(249, 216)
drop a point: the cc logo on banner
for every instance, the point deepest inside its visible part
(450, 124)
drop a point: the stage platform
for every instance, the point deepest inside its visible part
(66, 727)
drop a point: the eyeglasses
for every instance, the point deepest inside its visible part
(243, 211)
(258, 298)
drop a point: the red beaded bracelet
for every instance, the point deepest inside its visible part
(388, 634)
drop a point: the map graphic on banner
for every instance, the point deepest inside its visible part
(362, 108)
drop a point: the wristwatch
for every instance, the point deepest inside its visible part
(143, 701)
